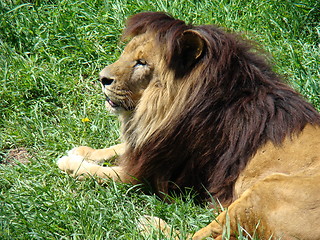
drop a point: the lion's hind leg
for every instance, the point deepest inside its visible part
(247, 211)
(278, 207)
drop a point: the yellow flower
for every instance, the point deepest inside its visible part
(85, 120)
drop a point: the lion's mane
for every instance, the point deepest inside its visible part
(205, 122)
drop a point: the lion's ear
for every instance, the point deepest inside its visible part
(189, 49)
(192, 44)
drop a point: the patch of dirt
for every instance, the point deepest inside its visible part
(17, 155)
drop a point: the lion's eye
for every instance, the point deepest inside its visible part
(140, 62)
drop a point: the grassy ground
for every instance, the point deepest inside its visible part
(50, 55)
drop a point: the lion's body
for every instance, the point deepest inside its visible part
(199, 109)
(279, 189)
(297, 156)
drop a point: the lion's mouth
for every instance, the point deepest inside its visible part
(119, 106)
(111, 103)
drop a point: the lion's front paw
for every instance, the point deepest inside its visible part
(74, 165)
(97, 156)
(82, 151)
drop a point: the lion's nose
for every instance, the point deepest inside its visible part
(106, 81)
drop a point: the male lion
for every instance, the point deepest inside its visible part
(200, 109)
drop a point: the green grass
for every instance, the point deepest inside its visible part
(50, 55)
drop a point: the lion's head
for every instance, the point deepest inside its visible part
(144, 76)
(198, 103)
(124, 81)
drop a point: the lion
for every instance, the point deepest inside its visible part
(200, 108)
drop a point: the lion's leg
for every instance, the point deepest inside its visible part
(280, 206)
(226, 225)
(247, 211)
(216, 228)
(250, 211)
(150, 224)
(98, 155)
(76, 166)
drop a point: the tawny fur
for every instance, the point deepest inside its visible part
(200, 109)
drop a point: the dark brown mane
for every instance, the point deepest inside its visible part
(238, 105)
